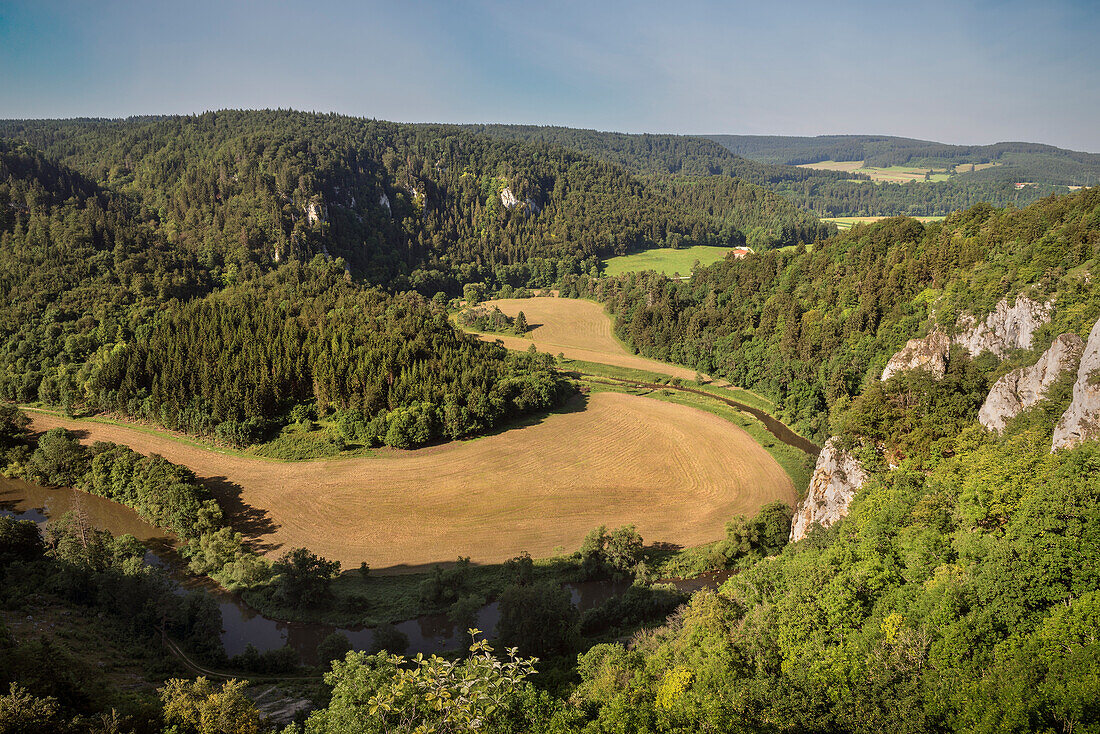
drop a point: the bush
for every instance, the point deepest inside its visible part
(303, 578)
(539, 619)
(616, 553)
(59, 460)
(20, 540)
(445, 586)
(333, 647)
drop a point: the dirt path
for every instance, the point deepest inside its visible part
(676, 472)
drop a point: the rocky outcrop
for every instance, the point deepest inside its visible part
(1081, 421)
(929, 353)
(316, 213)
(384, 200)
(837, 477)
(1005, 329)
(1023, 387)
(508, 199)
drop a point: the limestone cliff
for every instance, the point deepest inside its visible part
(929, 353)
(1005, 329)
(316, 212)
(1023, 387)
(1081, 421)
(837, 477)
(508, 199)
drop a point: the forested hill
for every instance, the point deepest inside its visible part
(825, 193)
(425, 206)
(810, 328)
(1014, 161)
(659, 154)
(99, 310)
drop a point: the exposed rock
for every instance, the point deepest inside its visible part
(507, 198)
(1005, 329)
(316, 212)
(837, 477)
(384, 200)
(1081, 421)
(1023, 387)
(929, 353)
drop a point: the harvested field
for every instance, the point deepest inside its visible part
(843, 223)
(579, 330)
(678, 473)
(891, 174)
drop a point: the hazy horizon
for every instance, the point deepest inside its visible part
(970, 73)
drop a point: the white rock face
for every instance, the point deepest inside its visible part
(1007, 328)
(929, 353)
(837, 477)
(315, 212)
(1023, 387)
(1081, 421)
(384, 200)
(507, 198)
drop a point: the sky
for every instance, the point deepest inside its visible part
(966, 72)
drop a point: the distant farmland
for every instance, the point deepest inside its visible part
(893, 174)
(676, 472)
(666, 260)
(843, 223)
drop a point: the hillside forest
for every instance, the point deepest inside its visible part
(236, 273)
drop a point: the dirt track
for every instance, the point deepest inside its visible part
(677, 473)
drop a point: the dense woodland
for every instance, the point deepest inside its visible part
(102, 312)
(832, 193)
(419, 205)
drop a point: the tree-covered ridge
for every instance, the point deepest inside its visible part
(419, 205)
(809, 328)
(660, 154)
(1016, 161)
(825, 193)
(100, 311)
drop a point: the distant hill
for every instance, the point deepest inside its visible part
(1015, 162)
(772, 162)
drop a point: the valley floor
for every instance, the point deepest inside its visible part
(578, 329)
(678, 473)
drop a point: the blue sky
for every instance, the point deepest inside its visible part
(958, 72)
